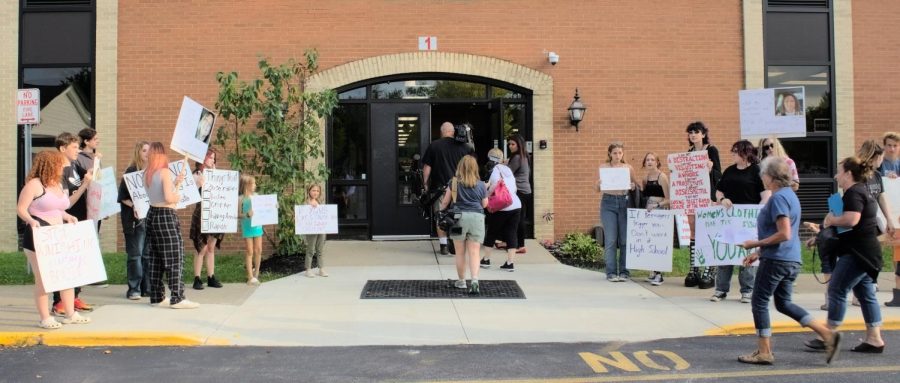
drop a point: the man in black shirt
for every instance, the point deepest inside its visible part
(440, 161)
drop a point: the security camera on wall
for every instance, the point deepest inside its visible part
(553, 58)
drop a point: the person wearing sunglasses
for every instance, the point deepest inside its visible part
(771, 146)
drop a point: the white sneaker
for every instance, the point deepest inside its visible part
(164, 303)
(185, 304)
(253, 282)
(309, 274)
(460, 284)
(746, 297)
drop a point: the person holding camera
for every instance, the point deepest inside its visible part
(440, 164)
(467, 197)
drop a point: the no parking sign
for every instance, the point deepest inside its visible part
(28, 106)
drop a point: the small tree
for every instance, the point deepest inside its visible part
(286, 139)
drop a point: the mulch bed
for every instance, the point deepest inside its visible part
(554, 249)
(284, 264)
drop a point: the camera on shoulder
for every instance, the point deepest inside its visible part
(448, 219)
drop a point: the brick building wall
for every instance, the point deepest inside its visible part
(644, 72)
(876, 54)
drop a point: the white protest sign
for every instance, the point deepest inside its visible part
(892, 194)
(265, 210)
(68, 255)
(319, 220)
(28, 106)
(683, 228)
(134, 182)
(193, 130)
(615, 179)
(649, 240)
(689, 185)
(102, 195)
(190, 193)
(219, 201)
(772, 112)
(714, 225)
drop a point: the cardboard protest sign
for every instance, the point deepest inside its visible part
(134, 182)
(265, 209)
(775, 112)
(683, 228)
(649, 240)
(102, 195)
(318, 220)
(68, 255)
(716, 226)
(193, 130)
(615, 179)
(219, 201)
(689, 185)
(190, 193)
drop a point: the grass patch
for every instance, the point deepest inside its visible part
(229, 269)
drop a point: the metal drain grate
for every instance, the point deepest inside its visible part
(437, 289)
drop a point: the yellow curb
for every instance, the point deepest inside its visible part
(112, 339)
(892, 323)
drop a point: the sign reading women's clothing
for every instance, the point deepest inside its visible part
(103, 195)
(322, 219)
(265, 210)
(775, 112)
(719, 231)
(649, 240)
(68, 255)
(193, 130)
(219, 202)
(689, 186)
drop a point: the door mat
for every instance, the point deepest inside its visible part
(439, 289)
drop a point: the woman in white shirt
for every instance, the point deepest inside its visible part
(502, 225)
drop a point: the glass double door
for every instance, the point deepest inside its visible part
(400, 134)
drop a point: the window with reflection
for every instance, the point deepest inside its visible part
(66, 99)
(506, 93)
(349, 142)
(408, 149)
(513, 119)
(350, 201)
(429, 89)
(815, 80)
(353, 94)
(811, 156)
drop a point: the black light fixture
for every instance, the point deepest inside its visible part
(576, 111)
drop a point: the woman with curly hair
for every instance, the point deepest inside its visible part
(43, 202)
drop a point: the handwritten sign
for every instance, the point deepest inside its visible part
(717, 226)
(68, 255)
(318, 220)
(134, 182)
(683, 228)
(265, 210)
(219, 202)
(615, 179)
(193, 130)
(102, 195)
(190, 193)
(772, 112)
(689, 185)
(649, 240)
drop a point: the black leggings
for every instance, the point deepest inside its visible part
(523, 214)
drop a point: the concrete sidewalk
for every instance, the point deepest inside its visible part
(564, 304)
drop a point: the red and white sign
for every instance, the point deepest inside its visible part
(28, 106)
(427, 43)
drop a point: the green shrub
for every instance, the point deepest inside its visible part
(581, 247)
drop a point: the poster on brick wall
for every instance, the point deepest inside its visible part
(720, 230)
(68, 255)
(315, 220)
(649, 240)
(778, 112)
(193, 130)
(219, 201)
(689, 185)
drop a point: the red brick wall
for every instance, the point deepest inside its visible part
(644, 70)
(876, 54)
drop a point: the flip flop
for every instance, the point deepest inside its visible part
(866, 348)
(832, 347)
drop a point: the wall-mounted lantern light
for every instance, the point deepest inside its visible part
(576, 111)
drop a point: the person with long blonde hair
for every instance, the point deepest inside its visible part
(613, 215)
(771, 146)
(43, 202)
(134, 230)
(252, 234)
(315, 243)
(468, 196)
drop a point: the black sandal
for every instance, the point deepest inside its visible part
(866, 348)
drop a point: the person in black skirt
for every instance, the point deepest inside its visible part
(205, 243)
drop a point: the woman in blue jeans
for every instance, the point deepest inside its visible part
(859, 257)
(778, 230)
(135, 231)
(613, 214)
